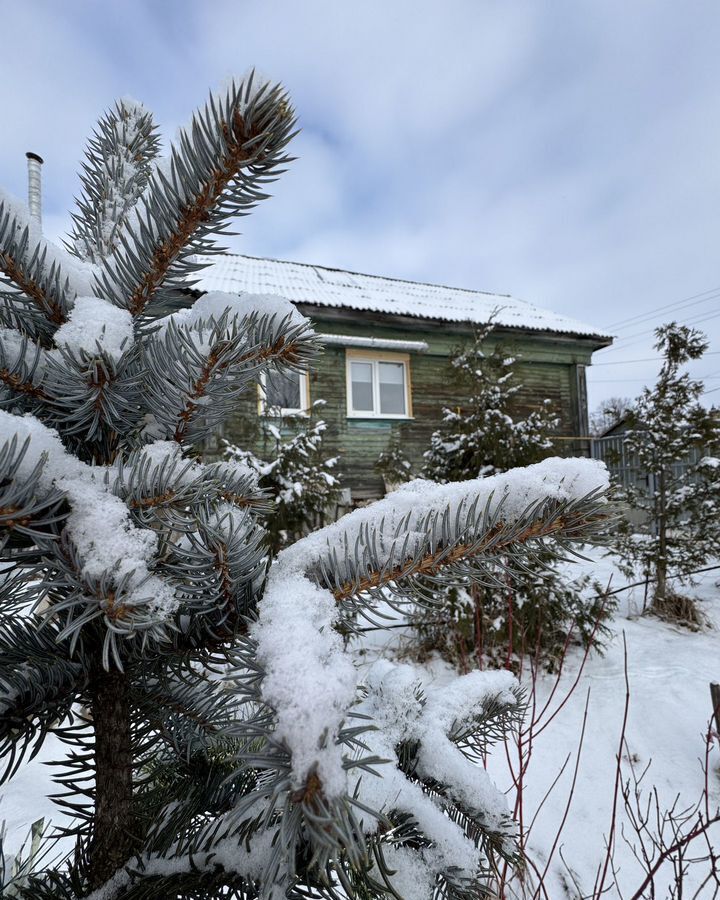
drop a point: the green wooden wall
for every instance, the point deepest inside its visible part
(548, 369)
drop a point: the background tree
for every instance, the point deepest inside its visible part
(506, 617)
(393, 464)
(131, 569)
(673, 440)
(299, 478)
(609, 413)
(487, 435)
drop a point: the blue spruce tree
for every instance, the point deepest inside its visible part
(134, 574)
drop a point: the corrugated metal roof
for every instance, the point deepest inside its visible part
(322, 286)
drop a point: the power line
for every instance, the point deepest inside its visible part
(618, 380)
(692, 321)
(621, 345)
(622, 362)
(672, 305)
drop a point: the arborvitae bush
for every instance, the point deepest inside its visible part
(131, 569)
(510, 616)
(300, 478)
(393, 464)
(672, 444)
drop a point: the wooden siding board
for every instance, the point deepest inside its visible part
(546, 370)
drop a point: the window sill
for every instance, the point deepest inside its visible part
(360, 417)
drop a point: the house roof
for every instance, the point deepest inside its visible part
(322, 286)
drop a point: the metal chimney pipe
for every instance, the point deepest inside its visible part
(35, 186)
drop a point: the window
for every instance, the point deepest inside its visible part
(378, 385)
(283, 394)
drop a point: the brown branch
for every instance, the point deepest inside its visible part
(244, 502)
(22, 522)
(278, 350)
(195, 213)
(22, 387)
(432, 563)
(701, 828)
(224, 570)
(31, 288)
(309, 791)
(152, 502)
(113, 610)
(599, 888)
(198, 391)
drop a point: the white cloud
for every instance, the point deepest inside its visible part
(566, 152)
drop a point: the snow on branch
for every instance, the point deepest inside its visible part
(232, 148)
(108, 553)
(202, 359)
(39, 281)
(422, 528)
(303, 656)
(95, 326)
(114, 175)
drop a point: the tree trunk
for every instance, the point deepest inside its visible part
(715, 697)
(112, 839)
(661, 562)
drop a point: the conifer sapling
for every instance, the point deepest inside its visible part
(299, 477)
(673, 442)
(507, 616)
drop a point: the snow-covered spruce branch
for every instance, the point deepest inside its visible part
(224, 159)
(202, 359)
(424, 530)
(38, 281)
(114, 175)
(384, 545)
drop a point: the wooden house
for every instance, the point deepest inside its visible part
(385, 365)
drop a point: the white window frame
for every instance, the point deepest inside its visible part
(373, 358)
(273, 412)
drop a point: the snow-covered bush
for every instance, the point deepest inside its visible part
(674, 444)
(533, 615)
(508, 616)
(131, 569)
(299, 478)
(393, 464)
(486, 435)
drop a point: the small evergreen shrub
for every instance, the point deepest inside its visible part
(509, 616)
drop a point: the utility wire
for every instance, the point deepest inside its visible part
(672, 305)
(623, 380)
(622, 362)
(692, 321)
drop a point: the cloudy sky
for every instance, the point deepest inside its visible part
(566, 152)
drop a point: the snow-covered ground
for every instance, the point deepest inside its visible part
(669, 672)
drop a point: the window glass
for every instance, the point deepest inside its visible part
(283, 391)
(362, 387)
(391, 378)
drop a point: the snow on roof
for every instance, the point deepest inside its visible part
(322, 286)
